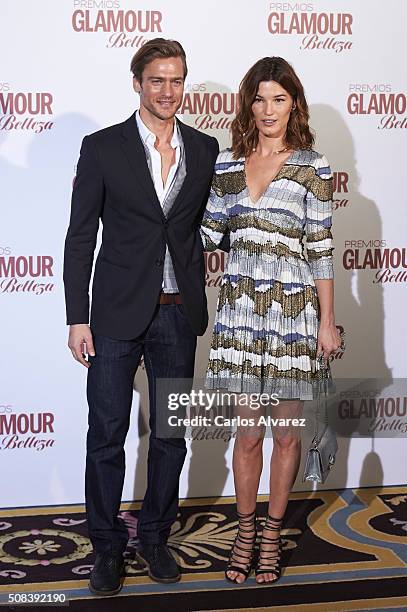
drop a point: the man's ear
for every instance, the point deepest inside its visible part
(136, 85)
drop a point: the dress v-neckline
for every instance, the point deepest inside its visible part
(261, 196)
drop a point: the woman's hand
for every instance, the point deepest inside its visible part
(329, 340)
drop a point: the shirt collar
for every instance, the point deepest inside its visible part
(147, 136)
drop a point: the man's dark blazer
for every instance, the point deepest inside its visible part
(113, 183)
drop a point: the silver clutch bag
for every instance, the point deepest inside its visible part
(324, 446)
(320, 456)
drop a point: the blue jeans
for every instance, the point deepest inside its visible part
(168, 346)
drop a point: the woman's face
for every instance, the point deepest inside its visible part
(271, 109)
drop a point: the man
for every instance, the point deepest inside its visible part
(147, 179)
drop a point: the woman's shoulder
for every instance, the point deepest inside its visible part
(310, 157)
(226, 163)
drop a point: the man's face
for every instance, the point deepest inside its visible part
(162, 87)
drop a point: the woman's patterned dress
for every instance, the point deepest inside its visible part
(267, 319)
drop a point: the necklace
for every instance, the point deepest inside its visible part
(275, 152)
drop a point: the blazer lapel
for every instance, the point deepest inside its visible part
(191, 162)
(133, 149)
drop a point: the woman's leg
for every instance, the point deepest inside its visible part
(285, 461)
(247, 467)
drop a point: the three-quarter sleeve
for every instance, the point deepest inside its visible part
(215, 220)
(318, 221)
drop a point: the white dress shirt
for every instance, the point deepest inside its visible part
(149, 140)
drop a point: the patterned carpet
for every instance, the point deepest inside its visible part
(342, 550)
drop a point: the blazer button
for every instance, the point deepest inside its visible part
(159, 262)
(165, 223)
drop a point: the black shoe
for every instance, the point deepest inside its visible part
(269, 561)
(105, 578)
(241, 555)
(162, 566)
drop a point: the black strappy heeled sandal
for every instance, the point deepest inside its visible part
(269, 560)
(241, 558)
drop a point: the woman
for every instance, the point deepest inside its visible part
(275, 314)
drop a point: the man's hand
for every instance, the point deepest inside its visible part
(80, 342)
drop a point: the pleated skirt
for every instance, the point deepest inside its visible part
(266, 328)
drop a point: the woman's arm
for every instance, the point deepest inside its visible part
(214, 224)
(328, 336)
(319, 252)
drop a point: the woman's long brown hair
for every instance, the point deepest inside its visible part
(244, 132)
